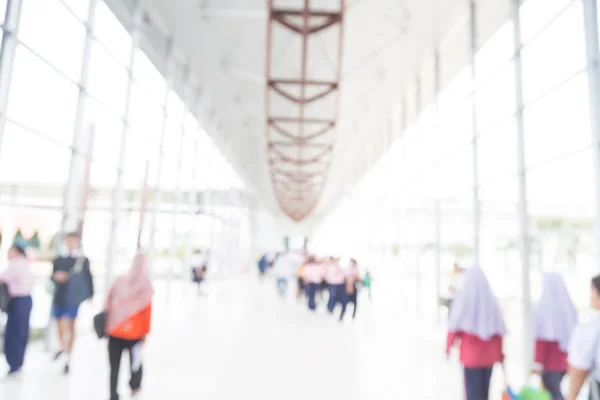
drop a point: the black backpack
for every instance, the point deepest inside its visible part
(4, 297)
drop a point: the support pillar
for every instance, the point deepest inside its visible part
(476, 201)
(438, 255)
(438, 212)
(156, 195)
(81, 136)
(190, 242)
(523, 211)
(590, 9)
(117, 197)
(178, 196)
(7, 57)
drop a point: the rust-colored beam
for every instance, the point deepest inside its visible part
(293, 181)
(276, 85)
(301, 140)
(296, 143)
(300, 120)
(283, 17)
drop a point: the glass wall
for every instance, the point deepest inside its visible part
(87, 106)
(432, 163)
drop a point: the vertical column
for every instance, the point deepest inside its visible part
(212, 209)
(175, 212)
(438, 254)
(438, 213)
(190, 243)
(80, 134)
(420, 248)
(7, 57)
(476, 202)
(117, 197)
(207, 220)
(590, 9)
(523, 212)
(156, 195)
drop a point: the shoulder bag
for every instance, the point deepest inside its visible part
(78, 289)
(100, 324)
(5, 297)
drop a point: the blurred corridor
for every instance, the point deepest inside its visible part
(241, 341)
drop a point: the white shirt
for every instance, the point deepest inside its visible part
(286, 265)
(584, 347)
(198, 260)
(75, 254)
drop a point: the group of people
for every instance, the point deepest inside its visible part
(315, 276)
(561, 345)
(127, 306)
(341, 283)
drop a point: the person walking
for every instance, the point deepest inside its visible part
(285, 269)
(199, 266)
(128, 308)
(584, 350)
(555, 320)
(477, 322)
(312, 275)
(263, 265)
(19, 280)
(74, 284)
(351, 291)
(335, 279)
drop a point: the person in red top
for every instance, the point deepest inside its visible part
(128, 309)
(476, 322)
(555, 320)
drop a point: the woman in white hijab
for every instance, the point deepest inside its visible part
(555, 319)
(477, 322)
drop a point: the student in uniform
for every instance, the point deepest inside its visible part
(64, 310)
(584, 350)
(312, 275)
(335, 279)
(555, 319)
(128, 308)
(351, 290)
(476, 322)
(19, 280)
(263, 265)
(198, 261)
(301, 287)
(284, 269)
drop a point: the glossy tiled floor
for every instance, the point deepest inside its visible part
(240, 341)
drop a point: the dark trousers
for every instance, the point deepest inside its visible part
(322, 287)
(552, 382)
(115, 351)
(477, 383)
(311, 293)
(349, 298)
(336, 295)
(16, 334)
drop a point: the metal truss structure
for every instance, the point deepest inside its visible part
(300, 145)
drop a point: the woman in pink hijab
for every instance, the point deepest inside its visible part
(477, 322)
(128, 309)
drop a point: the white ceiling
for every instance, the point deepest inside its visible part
(224, 42)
